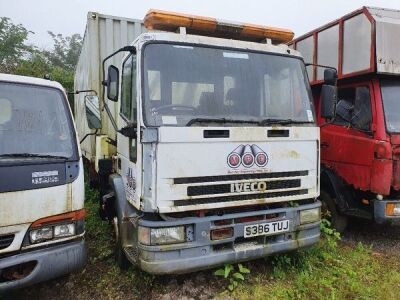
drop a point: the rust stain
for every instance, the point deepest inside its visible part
(294, 154)
(69, 197)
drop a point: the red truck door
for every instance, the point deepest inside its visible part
(346, 149)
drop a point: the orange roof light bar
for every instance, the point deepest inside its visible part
(170, 21)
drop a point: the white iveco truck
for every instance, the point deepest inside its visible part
(206, 149)
(41, 184)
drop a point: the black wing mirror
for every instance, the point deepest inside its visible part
(330, 77)
(329, 94)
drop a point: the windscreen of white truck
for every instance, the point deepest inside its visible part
(34, 123)
(184, 85)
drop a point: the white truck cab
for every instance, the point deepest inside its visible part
(216, 150)
(41, 184)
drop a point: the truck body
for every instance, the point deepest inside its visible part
(360, 173)
(104, 34)
(41, 184)
(216, 152)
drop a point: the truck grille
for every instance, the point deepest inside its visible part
(187, 180)
(239, 197)
(226, 188)
(6, 240)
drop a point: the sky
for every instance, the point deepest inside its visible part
(69, 16)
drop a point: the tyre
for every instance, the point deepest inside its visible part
(330, 212)
(120, 256)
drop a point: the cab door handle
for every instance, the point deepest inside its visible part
(324, 145)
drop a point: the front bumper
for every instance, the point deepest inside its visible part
(50, 262)
(380, 211)
(204, 253)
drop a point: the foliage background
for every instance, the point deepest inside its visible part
(19, 57)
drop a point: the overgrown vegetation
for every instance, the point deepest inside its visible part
(327, 271)
(331, 270)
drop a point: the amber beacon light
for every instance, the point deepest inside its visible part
(170, 21)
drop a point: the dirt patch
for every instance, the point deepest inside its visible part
(384, 239)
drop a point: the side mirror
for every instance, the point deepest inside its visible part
(330, 77)
(113, 83)
(328, 101)
(93, 117)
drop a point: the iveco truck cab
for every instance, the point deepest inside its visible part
(41, 184)
(215, 153)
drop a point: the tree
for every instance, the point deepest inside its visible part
(39, 66)
(13, 47)
(16, 57)
(66, 51)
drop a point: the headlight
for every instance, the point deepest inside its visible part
(161, 236)
(310, 215)
(41, 234)
(61, 226)
(392, 209)
(51, 232)
(64, 230)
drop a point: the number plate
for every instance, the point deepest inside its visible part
(266, 228)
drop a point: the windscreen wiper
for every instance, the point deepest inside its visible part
(31, 155)
(219, 120)
(280, 122)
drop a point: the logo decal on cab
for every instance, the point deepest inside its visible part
(247, 156)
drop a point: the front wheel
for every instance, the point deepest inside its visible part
(330, 212)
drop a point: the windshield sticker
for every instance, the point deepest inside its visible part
(310, 115)
(169, 120)
(45, 177)
(236, 55)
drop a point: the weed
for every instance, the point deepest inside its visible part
(330, 234)
(231, 276)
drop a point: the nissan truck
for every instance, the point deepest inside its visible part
(41, 184)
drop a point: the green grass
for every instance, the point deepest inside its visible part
(327, 271)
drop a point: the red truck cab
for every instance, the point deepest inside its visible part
(360, 145)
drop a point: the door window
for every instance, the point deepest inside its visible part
(128, 96)
(354, 108)
(128, 99)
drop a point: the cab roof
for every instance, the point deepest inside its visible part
(30, 80)
(202, 40)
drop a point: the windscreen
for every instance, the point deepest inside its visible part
(183, 83)
(34, 120)
(391, 101)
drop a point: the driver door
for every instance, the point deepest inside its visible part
(127, 146)
(345, 148)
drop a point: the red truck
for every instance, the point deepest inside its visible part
(360, 132)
